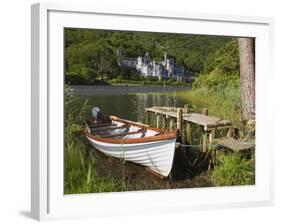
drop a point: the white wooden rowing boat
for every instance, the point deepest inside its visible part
(134, 142)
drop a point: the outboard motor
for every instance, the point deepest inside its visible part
(97, 115)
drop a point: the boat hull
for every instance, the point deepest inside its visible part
(156, 155)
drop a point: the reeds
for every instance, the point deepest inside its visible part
(224, 103)
(80, 173)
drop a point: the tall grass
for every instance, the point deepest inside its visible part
(224, 103)
(80, 174)
(233, 169)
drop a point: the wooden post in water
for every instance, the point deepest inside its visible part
(230, 132)
(158, 120)
(179, 119)
(205, 111)
(212, 136)
(205, 136)
(148, 117)
(188, 126)
(186, 108)
(205, 142)
(171, 123)
(164, 122)
(188, 133)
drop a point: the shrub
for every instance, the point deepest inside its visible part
(234, 170)
(74, 79)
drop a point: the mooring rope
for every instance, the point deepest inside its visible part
(188, 145)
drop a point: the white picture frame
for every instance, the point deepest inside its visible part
(48, 200)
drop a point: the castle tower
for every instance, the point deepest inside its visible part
(147, 57)
(165, 59)
(139, 63)
(119, 56)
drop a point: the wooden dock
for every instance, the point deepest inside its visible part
(210, 124)
(184, 115)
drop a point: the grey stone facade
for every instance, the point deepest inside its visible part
(148, 67)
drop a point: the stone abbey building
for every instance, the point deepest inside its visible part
(148, 67)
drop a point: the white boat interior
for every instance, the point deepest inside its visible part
(122, 130)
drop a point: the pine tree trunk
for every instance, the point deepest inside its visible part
(247, 77)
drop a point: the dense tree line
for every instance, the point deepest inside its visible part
(221, 69)
(91, 54)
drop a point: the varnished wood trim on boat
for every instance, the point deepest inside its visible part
(158, 130)
(162, 137)
(115, 118)
(136, 124)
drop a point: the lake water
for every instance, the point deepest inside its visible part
(129, 102)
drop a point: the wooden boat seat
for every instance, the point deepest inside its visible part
(109, 128)
(124, 134)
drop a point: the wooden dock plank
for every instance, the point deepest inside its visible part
(206, 121)
(235, 144)
(170, 114)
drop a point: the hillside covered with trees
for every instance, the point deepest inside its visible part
(90, 55)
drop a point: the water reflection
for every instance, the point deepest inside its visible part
(133, 106)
